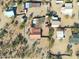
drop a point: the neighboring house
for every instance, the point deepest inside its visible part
(9, 13)
(59, 1)
(33, 3)
(55, 22)
(30, 4)
(11, 10)
(67, 9)
(35, 33)
(74, 38)
(60, 34)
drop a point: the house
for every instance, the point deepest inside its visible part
(59, 1)
(11, 10)
(35, 33)
(74, 38)
(67, 9)
(30, 4)
(33, 3)
(55, 19)
(55, 22)
(9, 13)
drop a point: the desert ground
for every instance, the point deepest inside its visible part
(58, 45)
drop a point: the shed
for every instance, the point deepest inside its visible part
(60, 34)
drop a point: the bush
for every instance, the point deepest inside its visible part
(2, 32)
(16, 42)
(22, 25)
(51, 32)
(19, 39)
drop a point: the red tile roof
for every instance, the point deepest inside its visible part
(35, 31)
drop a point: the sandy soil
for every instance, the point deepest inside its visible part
(61, 45)
(58, 45)
(3, 19)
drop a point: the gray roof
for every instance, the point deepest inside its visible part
(74, 38)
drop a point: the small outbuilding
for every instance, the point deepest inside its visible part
(67, 9)
(60, 34)
(55, 22)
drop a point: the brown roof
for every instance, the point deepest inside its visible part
(35, 33)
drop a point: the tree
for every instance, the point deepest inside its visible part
(22, 25)
(3, 32)
(19, 1)
(51, 40)
(51, 32)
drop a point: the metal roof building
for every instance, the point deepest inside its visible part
(75, 38)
